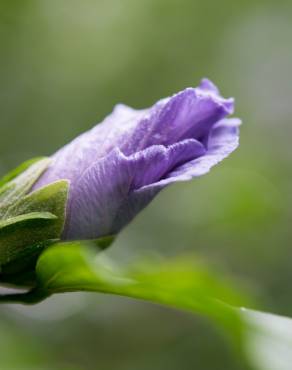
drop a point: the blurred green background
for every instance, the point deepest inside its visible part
(63, 66)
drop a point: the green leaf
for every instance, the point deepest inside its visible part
(263, 341)
(21, 184)
(73, 266)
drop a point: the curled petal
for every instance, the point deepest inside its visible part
(223, 140)
(100, 201)
(190, 113)
(208, 85)
(116, 168)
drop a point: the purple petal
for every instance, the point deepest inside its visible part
(106, 187)
(74, 158)
(188, 114)
(209, 86)
(223, 140)
(116, 168)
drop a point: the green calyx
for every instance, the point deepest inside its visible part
(29, 221)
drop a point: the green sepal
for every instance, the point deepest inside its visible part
(21, 232)
(18, 170)
(13, 221)
(30, 221)
(19, 185)
(50, 198)
(21, 271)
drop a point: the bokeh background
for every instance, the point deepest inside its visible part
(63, 66)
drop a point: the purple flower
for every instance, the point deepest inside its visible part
(116, 168)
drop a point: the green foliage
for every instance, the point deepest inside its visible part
(180, 283)
(18, 170)
(21, 241)
(21, 232)
(18, 186)
(262, 341)
(28, 221)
